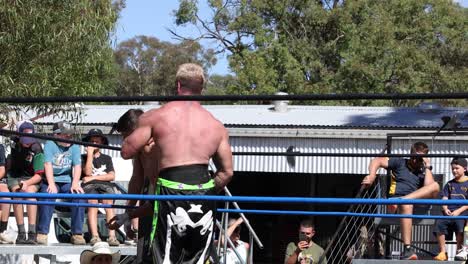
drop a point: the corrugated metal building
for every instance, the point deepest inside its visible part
(324, 129)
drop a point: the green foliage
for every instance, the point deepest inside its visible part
(332, 46)
(186, 12)
(148, 66)
(221, 85)
(56, 48)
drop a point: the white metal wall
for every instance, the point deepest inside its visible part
(348, 165)
(353, 165)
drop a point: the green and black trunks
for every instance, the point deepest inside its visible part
(182, 230)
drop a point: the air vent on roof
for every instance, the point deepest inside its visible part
(429, 107)
(279, 105)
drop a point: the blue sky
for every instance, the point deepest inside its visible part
(152, 17)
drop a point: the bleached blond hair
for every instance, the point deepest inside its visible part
(190, 76)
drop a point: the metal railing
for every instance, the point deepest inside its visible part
(353, 233)
(223, 227)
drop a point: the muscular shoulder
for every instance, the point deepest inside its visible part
(148, 117)
(216, 124)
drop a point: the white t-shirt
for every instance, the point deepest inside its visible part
(231, 257)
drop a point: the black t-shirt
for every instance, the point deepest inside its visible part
(101, 165)
(26, 161)
(2, 155)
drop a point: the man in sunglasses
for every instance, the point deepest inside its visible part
(410, 179)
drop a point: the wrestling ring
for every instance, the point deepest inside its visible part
(367, 209)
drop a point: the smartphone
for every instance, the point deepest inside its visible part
(302, 237)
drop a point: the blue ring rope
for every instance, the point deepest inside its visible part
(309, 213)
(251, 199)
(246, 211)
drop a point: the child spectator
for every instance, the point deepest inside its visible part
(5, 213)
(25, 170)
(457, 188)
(242, 248)
(98, 174)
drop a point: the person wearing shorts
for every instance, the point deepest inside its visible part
(187, 136)
(410, 179)
(98, 174)
(5, 208)
(456, 188)
(25, 171)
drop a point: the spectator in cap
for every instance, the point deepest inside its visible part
(98, 174)
(99, 254)
(25, 171)
(5, 208)
(62, 171)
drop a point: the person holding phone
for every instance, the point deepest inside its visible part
(305, 251)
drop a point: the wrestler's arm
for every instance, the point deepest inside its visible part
(138, 139)
(136, 181)
(223, 161)
(145, 210)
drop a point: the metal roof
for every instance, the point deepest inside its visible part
(295, 116)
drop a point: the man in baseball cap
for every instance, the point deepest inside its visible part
(24, 175)
(62, 164)
(63, 127)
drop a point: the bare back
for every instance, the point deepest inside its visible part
(149, 156)
(185, 133)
